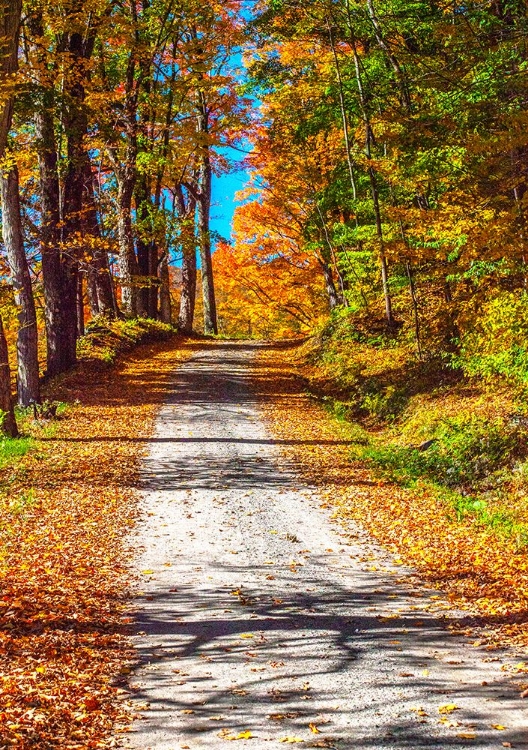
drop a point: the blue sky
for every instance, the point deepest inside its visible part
(224, 189)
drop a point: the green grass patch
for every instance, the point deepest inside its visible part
(12, 449)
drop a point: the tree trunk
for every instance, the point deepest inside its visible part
(142, 200)
(80, 306)
(188, 244)
(128, 267)
(8, 425)
(372, 176)
(331, 291)
(50, 235)
(165, 311)
(188, 289)
(204, 238)
(99, 280)
(50, 214)
(9, 30)
(28, 388)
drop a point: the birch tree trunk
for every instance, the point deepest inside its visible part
(28, 388)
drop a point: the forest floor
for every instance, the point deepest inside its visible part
(67, 503)
(263, 608)
(265, 617)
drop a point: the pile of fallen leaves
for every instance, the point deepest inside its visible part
(479, 570)
(66, 509)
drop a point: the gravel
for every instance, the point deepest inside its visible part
(257, 612)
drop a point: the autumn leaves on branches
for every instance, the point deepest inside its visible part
(112, 122)
(389, 164)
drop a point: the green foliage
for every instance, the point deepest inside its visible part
(497, 345)
(465, 450)
(105, 340)
(12, 449)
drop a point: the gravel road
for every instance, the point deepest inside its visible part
(257, 613)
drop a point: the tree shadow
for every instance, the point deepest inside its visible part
(297, 656)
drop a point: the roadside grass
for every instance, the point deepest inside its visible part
(434, 466)
(105, 340)
(12, 449)
(425, 426)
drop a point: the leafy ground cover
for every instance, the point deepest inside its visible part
(67, 502)
(480, 568)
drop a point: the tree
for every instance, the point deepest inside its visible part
(10, 13)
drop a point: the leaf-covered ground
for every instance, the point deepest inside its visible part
(66, 507)
(479, 570)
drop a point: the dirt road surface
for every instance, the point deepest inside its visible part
(256, 614)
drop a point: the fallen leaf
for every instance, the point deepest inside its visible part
(447, 708)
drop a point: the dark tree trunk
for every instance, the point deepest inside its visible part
(49, 211)
(99, 281)
(165, 311)
(80, 306)
(28, 388)
(188, 245)
(9, 30)
(8, 425)
(50, 234)
(76, 125)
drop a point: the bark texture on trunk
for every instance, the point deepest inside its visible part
(188, 289)
(204, 238)
(165, 311)
(8, 425)
(128, 266)
(50, 237)
(99, 280)
(10, 13)
(331, 291)
(142, 201)
(28, 388)
(49, 214)
(186, 213)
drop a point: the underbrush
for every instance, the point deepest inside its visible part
(104, 340)
(424, 424)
